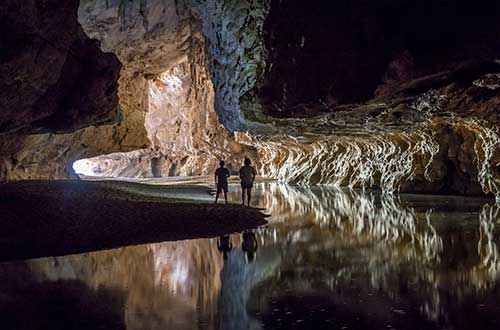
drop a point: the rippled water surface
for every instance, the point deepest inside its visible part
(329, 259)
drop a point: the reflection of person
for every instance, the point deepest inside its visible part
(247, 176)
(221, 175)
(224, 245)
(249, 245)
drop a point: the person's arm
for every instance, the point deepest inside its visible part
(254, 173)
(215, 175)
(227, 173)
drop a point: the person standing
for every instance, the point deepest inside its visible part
(221, 175)
(247, 177)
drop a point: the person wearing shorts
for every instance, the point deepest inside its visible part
(221, 175)
(247, 177)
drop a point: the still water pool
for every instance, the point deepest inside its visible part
(328, 259)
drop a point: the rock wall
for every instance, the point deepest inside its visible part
(54, 78)
(329, 53)
(58, 80)
(444, 138)
(234, 30)
(425, 116)
(185, 134)
(164, 42)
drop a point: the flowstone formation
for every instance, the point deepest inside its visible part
(445, 139)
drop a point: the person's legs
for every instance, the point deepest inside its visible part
(225, 188)
(249, 195)
(217, 194)
(243, 196)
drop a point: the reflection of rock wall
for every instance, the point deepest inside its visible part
(334, 239)
(168, 285)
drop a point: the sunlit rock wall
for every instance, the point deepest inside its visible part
(460, 156)
(185, 134)
(429, 160)
(50, 156)
(152, 39)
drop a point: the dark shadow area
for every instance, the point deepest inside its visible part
(27, 304)
(351, 309)
(340, 52)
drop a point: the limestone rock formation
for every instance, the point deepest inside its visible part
(443, 138)
(330, 52)
(185, 134)
(234, 30)
(54, 77)
(312, 100)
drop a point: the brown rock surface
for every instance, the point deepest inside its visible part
(54, 77)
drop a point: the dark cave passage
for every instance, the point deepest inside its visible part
(342, 52)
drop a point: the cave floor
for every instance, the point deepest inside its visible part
(328, 258)
(45, 218)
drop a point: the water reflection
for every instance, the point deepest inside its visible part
(329, 258)
(224, 245)
(249, 245)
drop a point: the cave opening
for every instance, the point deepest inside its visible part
(177, 113)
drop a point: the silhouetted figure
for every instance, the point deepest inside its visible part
(224, 245)
(221, 175)
(249, 245)
(247, 177)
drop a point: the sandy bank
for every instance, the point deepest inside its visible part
(42, 218)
